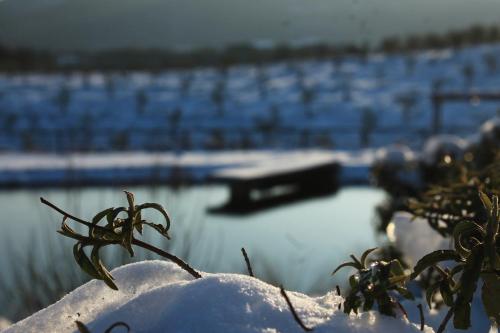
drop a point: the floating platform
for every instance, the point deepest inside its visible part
(277, 181)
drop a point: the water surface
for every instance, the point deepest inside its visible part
(298, 245)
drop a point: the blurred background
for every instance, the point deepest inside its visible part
(257, 124)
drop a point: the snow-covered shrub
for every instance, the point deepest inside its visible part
(394, 169)
(440, 156)
(443, 148)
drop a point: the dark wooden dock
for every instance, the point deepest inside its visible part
(277, 181)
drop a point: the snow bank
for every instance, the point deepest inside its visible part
(156, 296)
(415, 238)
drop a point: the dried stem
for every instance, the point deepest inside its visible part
(179, 262)
(445, 321)
(422, 318)
(294, 313)
(62, 212)
(117, 324)
(247, 261)
(338, 293)
(403, 310)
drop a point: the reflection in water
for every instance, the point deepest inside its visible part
(297, 245)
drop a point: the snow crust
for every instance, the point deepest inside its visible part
(156, 296)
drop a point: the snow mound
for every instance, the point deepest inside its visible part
(156, 296)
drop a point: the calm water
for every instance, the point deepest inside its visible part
(298, 245)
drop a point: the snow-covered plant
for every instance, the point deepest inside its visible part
(477, 256)
(117, 230)
(374, 283)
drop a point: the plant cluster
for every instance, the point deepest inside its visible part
(373, 283)
(476, 255)
(118, 230)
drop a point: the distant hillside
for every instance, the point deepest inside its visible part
(181, 24)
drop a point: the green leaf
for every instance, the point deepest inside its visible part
(446, 293)
(113, 214)
(490, 293)
(357, 262)
(405, 293)
(462, 229)
(485, 200)
(353, 282)
(365, 255)
(492, 234)
(84, 262)
(398, 274)
(99, 216)
(160, 228)
(429, 293)
(159, 208)
(433, 258)
(346, 264)
(468, 284)
(130, 200)
(103, 272)
(461, 316)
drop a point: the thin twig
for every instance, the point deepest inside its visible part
(182, 264)
(338, 293)
(179, 262)
(403, 310)
(422, 318)
(117, 324)
(62, 212)
(445, 321)
(294, 313)
(249, 266)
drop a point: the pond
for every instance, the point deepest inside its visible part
(298, 245)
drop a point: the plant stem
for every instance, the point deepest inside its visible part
(445, 321)
(176, 260)
(62, 212)
(249, 266)
(294, 313)
(422, 318)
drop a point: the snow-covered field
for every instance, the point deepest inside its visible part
(158, 297)
(316, 103)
